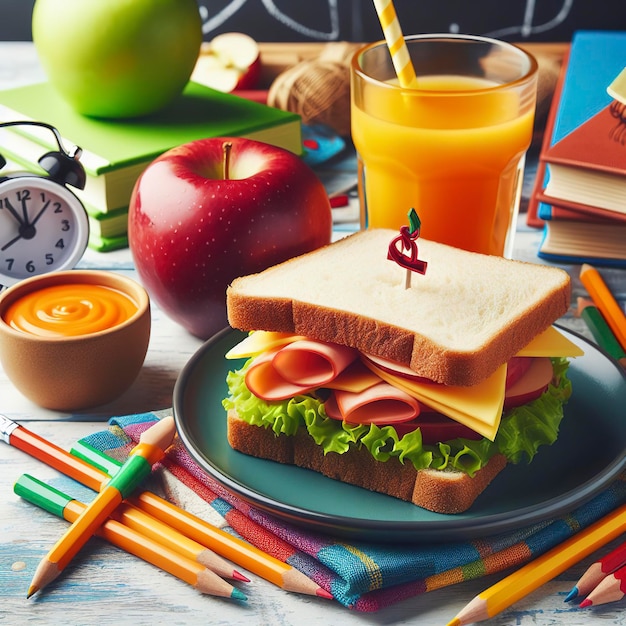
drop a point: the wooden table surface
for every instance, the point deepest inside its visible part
(106, 586)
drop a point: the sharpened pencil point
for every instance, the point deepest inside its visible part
(585, 603)
(236, 594)
(240, 577)
(32, 590)
(455, 622)
(322, 593)
(572, 594)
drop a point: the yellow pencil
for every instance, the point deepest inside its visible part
(544, 568)
(123, 536)
(150, 449)
(604, 300)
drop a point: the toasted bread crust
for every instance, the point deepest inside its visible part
(497, 304)
(438, 491)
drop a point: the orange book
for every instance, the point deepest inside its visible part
(588, 166)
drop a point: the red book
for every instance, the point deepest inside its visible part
(588, 166)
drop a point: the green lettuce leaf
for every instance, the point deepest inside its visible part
(522, 430)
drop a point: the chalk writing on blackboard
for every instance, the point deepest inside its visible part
(356, 20)
(528, 28)
(213, 22)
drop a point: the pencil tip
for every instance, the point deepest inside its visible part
(572, 594)
(238, 576)
(236, 594)
(455, 622)
(585, 603)
(32, 590)
(322, 593)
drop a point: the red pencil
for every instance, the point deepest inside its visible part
(611, 589)
(598, 572)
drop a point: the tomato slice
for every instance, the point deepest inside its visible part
(436, 428)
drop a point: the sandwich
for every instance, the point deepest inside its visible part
(423, 390)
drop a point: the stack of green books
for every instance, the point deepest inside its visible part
(115, 152)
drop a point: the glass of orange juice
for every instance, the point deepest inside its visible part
(452, 145)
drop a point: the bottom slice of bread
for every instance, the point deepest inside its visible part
(438, 491)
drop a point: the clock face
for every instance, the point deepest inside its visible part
(43, 227)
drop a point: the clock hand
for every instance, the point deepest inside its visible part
(10, 243)
(43, 208)
(13, 212)
(25, 231)
(23, 196)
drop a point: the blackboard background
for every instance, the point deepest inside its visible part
(355, 20)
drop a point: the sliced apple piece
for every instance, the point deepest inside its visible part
(231, 62)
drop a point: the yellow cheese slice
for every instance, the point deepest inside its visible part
(551, 343)
(479, 407)
(260, 341)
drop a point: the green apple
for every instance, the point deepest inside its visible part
(117, 58)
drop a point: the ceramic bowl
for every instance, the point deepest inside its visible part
(72, 372)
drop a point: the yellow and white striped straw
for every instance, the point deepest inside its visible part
(395, 42)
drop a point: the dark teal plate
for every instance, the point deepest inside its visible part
(589, 454)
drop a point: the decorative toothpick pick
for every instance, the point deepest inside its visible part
(406, 255)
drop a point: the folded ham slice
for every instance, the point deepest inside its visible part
(308, 362)
(380, 404)
(297, 368)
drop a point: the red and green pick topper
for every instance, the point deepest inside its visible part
(406, 254)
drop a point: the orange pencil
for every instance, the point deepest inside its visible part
(604, 300)
(50, 454)
(237, 550)
(241, 552)
(225, 544)
(544, 568)
(598, 571)
(151, 448)
(130, 540)
(611, 589)
(149, 526)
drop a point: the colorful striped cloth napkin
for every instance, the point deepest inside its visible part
(361, 576)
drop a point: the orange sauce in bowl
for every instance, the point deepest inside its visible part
(71, 309)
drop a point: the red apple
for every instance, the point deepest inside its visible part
(193, 227)
(232, 61)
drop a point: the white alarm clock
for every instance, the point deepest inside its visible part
(43, 226)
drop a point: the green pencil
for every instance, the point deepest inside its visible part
(129, 539)
(601, 331)
(150, 449)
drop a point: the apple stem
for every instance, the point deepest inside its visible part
(226, 147)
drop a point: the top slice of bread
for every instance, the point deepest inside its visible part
(456, 324)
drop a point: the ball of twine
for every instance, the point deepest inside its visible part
(319, 91)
